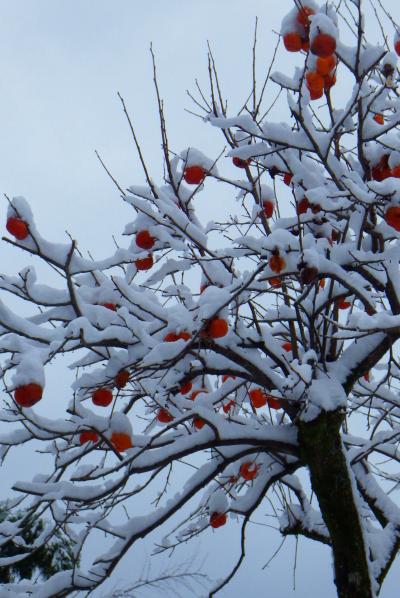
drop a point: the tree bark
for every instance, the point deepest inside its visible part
(321, 449)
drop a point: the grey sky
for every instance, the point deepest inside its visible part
(61, 64)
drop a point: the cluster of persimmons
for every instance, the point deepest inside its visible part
(321, 76)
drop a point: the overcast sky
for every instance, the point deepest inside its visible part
(61, 65)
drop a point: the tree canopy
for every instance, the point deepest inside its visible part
(260, 350)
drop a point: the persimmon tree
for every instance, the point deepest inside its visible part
(277, 368)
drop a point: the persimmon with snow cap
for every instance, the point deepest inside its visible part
(144, 263)
(302, 206)
(217, 519)
(194, 175)
(164, 416)
(381, 170)
(18, 228)
(185, 388)
(110, 306)
(276, 263)
(292, 42)
(121, 441)
(273, 403)
(198, 423)
(122, 379)
(341, 303)
(239, 162)
(268, 207)
(28, 395)
(323, 45)
(248, 470)
(287, 178)
(144, 240)
(257, 398)
(216, 328)
(120, 432)
(88, 436)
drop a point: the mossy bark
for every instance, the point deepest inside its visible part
(322, 451)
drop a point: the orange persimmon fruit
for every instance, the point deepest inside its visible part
(185, 388)
(268, 208)
(122, 379)
(88, 436)
(194, 175)
(275, 282)
(144, 263)
(198, 422)
(144, 240)
(18, 228)
(292, 42)
(111, 306)
(342, 303)
(323, 45)
(324, 66)
(217, 519)
(216, 328)
(276, 263)
(273, 403)
(102, 397)
(248, 470)
(378, 118)
(164, 416)
(287, 178)
(28, 395)
(257, 398)
(239, 162)
(314, 81)
(121, 441)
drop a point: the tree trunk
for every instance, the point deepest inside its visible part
(321, 448)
